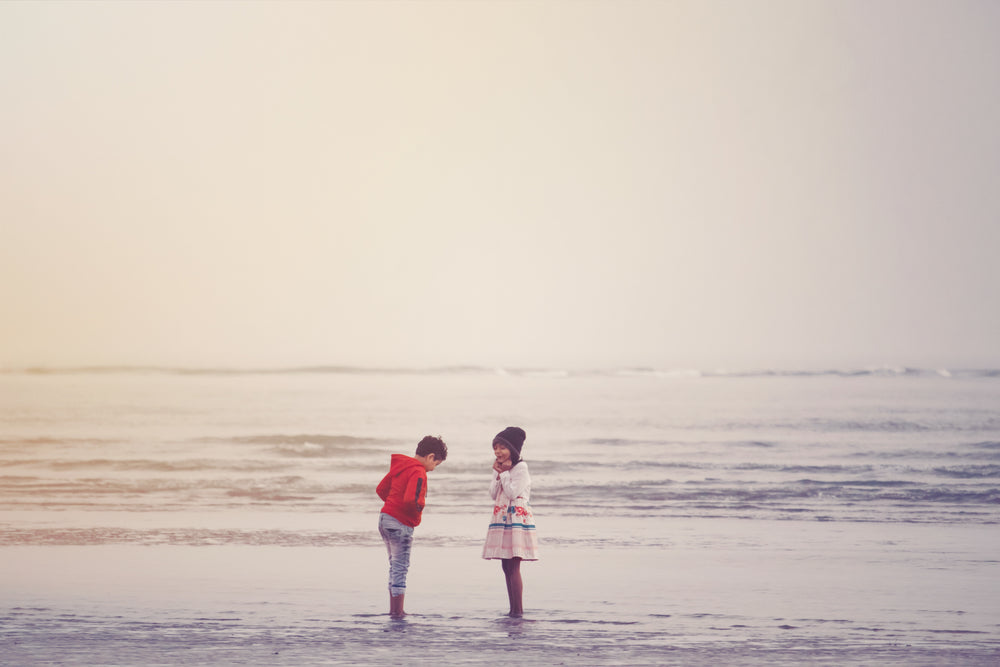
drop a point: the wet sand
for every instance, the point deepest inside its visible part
(724, 592)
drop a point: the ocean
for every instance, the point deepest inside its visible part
(221, 516)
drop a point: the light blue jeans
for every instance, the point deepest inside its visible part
(398, 538)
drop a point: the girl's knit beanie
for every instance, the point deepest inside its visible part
(513, 438)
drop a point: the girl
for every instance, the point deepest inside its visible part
(511, 535)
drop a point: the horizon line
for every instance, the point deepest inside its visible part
(519, 370)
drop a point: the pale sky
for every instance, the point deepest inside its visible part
(677, 184)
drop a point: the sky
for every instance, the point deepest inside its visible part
(677, 184)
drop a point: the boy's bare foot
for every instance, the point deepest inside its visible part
(396, 606)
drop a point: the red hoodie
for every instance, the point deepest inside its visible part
(404, 489)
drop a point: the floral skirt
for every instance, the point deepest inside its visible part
(512, 532)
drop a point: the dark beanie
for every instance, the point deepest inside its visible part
(513, 437)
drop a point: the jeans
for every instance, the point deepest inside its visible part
(398, 538)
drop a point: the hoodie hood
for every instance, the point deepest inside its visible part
(401, 463)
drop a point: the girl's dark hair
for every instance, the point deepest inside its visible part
(515, 458)
(432, 445)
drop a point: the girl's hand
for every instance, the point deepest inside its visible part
(501, 466)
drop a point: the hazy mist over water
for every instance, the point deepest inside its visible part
(668, 184)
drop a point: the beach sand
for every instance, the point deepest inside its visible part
(722, 592)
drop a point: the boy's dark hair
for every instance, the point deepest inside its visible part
(432, 445)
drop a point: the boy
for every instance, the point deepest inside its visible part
(404, 491)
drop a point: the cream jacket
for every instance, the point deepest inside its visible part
(511, 485)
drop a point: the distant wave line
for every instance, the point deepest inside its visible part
(535, 372)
